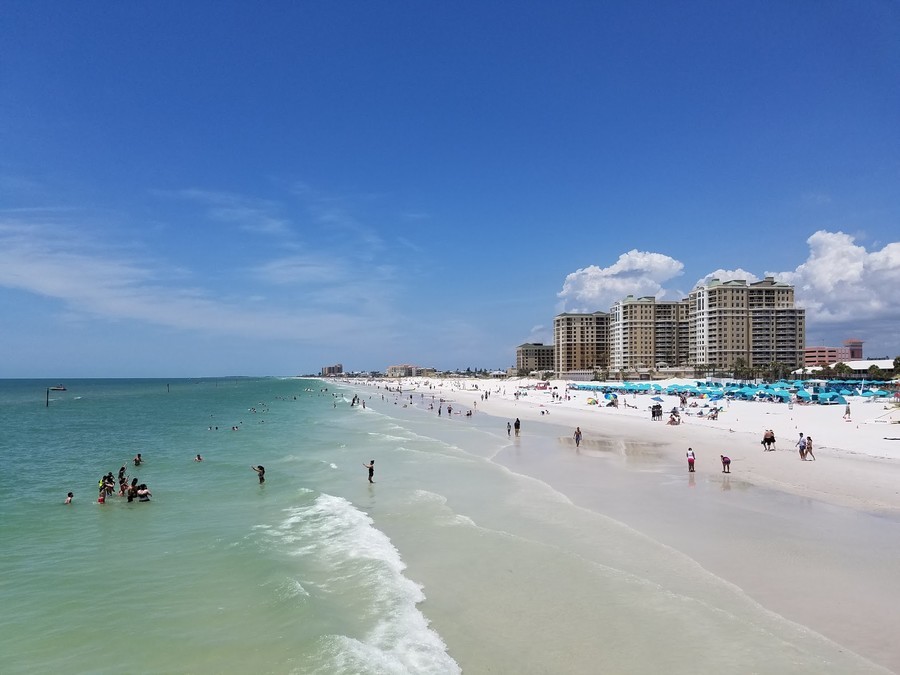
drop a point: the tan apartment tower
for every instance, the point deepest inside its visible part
(533, 356)
(581, 342)
(757, 323)
(646, 333)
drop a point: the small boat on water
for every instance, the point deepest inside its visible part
(58, 387)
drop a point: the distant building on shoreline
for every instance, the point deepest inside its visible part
(533, 356)
(823, 356)
(331, 371)
(581, 342)
(407, 370)
(646, 333)
(757, 323)
(720, 325)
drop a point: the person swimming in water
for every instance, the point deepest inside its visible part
(261, 472)
(68, 498)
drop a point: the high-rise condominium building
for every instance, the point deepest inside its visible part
(581, 342)
(648, 333)
(535, 356)
(757, 323)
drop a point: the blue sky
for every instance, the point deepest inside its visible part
(211, 188)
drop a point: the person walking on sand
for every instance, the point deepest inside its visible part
(847, 412)
(690, 459)
(726, 464)
(809, 451)
(801, 446)
(261, 472)
(371, 467)
(577, 437)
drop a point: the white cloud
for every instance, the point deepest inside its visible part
(841, 283)
(728, 275)
(638, 273)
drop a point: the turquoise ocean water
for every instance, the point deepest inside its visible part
(449, 562)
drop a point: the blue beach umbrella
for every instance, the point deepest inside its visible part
(656, 398)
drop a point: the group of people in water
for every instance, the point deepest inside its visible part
(106, 486)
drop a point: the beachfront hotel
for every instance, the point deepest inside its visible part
(823, 356)
(581, 343)
(757, 323)
(534, 356)
(720, 324)
(646, 333)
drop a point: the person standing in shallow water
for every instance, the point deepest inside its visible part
(371, 467)
(577, 437)
(261, 472)
(517, 425)
(726, 464)
(690, 459)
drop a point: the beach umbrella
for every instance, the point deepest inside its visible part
(656, 398)
(881, 392)
(803, 394)
(610, 396)
(868, 393)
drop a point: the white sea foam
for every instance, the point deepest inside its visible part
(361, 562)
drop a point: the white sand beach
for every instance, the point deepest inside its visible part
(857, 461)
(815, 542)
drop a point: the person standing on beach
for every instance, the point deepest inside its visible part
(690, 459)
(726, 464)
(517, 425)
(847, 412)
(261, 472)
(577, 437)
(508, 428)
(809, 447)
(801, 446)
(371, 467)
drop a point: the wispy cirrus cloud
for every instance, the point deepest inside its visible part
(248, 213)
(102, 281)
